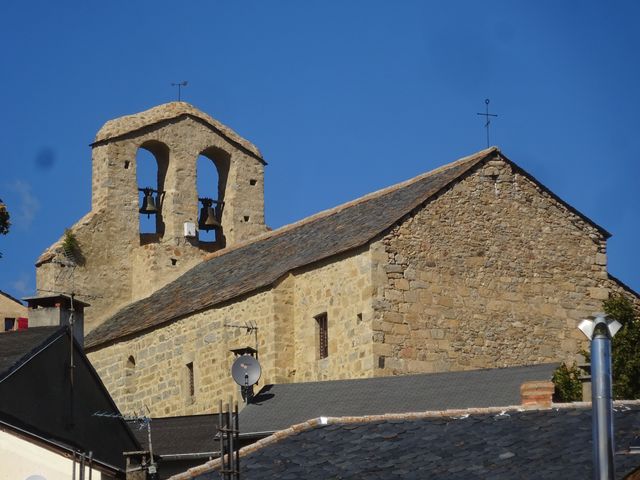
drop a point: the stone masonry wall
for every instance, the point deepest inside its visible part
(493, 272)
(288, 344)
(117, 264)
(160, 376)
(341, 288)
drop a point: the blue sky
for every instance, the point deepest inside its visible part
(342, 97)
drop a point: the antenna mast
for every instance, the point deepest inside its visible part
(143, 422)
(184, 83)
(249, 327)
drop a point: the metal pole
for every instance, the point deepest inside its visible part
(231, 442)
(228, 444)
(603, 467)
(82, 463)
(237, 434)
(222, 439)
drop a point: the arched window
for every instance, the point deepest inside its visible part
(152, 160)
(211, 181)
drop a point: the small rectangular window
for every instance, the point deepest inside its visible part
(323, 335)
(9, 324)
(190, 379)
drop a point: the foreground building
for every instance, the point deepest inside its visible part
(471, 444)
(473, 265)
(49, 397)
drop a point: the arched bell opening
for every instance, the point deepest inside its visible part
(211, 181)
(152, 161)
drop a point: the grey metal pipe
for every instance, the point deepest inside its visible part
(602, 407)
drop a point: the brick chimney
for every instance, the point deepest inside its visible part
(536, 394)
(47, 311)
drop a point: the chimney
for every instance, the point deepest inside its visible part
(49, 311)
(536, 394)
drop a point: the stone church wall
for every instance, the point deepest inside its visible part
(160, 377)
(493, 272)
(341, 288)
(287, 335)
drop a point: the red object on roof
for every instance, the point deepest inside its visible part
(23, 323)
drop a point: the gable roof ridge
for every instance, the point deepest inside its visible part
(459, 414)
(120, 126)
(343, 206)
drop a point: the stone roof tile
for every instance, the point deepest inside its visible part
(479, 443)
(276, 407)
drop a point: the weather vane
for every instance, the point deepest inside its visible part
(179, 85)
(486, 115)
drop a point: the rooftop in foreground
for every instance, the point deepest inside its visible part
(480, 443)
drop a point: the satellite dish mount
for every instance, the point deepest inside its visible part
(246, 371)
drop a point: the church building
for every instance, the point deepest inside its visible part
(473, 265)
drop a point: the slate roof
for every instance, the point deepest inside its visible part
(452, 445)
(277, 407)
(17, 346)
(260, 262)
(235, 271)
(180, 435)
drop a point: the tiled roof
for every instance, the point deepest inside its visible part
(180, 435)
(464, 444)
(277, 407)
(260, 262)
(18, 346)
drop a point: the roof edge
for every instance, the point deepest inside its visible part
(623, 285)
(478, 156)
(27, 357)
(55, 444)
(455, 414)
(547, 190)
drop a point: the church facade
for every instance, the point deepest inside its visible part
(473, 265)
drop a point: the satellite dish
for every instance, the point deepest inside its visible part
(246, 370)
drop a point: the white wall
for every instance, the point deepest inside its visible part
(23, 460)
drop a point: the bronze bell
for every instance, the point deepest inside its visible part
(208, 220)
(148, 203)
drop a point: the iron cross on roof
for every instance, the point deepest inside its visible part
(486, 115)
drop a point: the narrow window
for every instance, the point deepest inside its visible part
(190, 380)
(129, 375)
(323, 335)
(131, 364)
